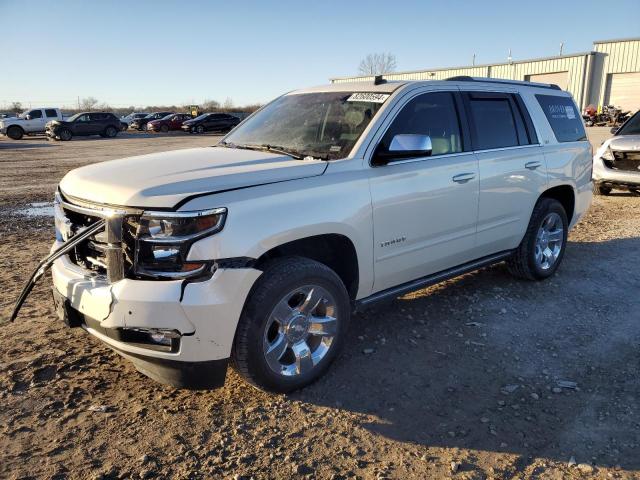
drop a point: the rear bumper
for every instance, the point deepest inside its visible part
(204, 315)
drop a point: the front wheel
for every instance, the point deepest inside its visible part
(601, 189)
(200, 129)
(164, 128)
(15, 133)
(542, 248)
(65, 135)
(292, 325)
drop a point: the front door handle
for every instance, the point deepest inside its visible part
(463, 177)
(533, 165)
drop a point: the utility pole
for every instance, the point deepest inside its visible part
(78, 102)
(561, 47)
(473, 62)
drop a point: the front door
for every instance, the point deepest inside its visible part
(425, 209)
(82, 125)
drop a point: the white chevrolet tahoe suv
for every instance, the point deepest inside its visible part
(31, 122)
(324, 201)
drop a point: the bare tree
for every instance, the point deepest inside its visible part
(209, 105)
(16, 107)
(88, 103)
(228, 103)
(377, 63)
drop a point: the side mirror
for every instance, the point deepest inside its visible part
(614, 129)
(403, 146)
(28, 117)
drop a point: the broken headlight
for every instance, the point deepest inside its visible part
(164, 239)
(608, 155)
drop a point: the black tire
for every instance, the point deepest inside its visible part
(522, 263)
(635, 191)
(164, 128)
(280, 277)
(601, 189)
(110, 131)
(65, 135)
(199, 129)
(15, 133)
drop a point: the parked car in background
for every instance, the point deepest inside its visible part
(30, 122)
(170, 122)
(6, 115)
(211, 122)
(128, 119)
(616, 163)
(325, 200)
(141, 123)
(83, 124)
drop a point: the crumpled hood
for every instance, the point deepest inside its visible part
(161, 180)
(625, 143)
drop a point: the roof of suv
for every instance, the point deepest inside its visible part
(391, 86)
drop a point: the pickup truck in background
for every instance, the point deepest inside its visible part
(30, 122)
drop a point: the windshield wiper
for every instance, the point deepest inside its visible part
(264, 148)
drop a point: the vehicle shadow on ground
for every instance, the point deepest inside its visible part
(478, 362)
(16, 145)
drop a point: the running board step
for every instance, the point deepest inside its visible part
(432, 279)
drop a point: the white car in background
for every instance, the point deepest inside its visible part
(30, 122)
(616, 164)
(326, 200)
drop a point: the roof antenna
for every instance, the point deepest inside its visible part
(510, 58)
(561, 47)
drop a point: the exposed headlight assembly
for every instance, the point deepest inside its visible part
(163, 241)
(608, 155)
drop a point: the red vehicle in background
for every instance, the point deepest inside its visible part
(171, 122)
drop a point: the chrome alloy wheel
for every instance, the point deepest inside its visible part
(549, 241)
(300, 330)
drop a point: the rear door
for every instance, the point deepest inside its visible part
(512, 168)
(213, 122)
(97, 123)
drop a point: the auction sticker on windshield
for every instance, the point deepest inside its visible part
(368, 97)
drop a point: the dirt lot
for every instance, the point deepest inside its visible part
(480, 377)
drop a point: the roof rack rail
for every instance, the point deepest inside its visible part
(466, 78)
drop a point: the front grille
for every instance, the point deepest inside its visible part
(626, 161)
(110, 252)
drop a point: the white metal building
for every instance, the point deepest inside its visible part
(607, 75)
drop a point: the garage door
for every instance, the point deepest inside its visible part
(623, 91)
(559, 78)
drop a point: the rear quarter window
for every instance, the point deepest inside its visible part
(563, 116)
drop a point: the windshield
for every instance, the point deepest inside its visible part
(202, 117)
(323, 125)
(168, 117)
(631, 126)
(72, 118)
(24, 114)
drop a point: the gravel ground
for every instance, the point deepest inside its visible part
(479, 377)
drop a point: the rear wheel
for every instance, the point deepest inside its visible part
(292, 326)
(601, 189)
(65, 134)
(110, 131)
(15, 132)
(542, 248)
(635, 191)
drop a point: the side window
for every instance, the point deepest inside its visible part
(51, 113)
(35, 114)
(98, 117)
(493, 122)
(563, 116)
(432, 114)
(83, 118)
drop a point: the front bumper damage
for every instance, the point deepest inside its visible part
(199, 317)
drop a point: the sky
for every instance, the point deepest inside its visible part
(183, 52)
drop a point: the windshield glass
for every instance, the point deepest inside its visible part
(631, 127)
(323, 125)
(202, 117)
(24, 114)
(73, 117)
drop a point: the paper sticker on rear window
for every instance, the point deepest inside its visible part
(368, 97)
(570, 113)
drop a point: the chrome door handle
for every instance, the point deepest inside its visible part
(532, 165)
(463, 177)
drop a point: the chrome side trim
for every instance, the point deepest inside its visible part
(432, 279)
(186, 214)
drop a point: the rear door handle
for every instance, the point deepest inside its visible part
(533, 165)
(463, 177)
